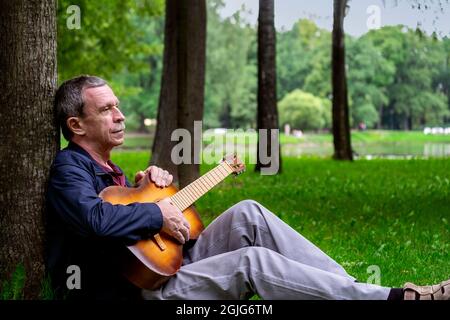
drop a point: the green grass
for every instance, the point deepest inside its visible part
(12, 288)
(388, 213)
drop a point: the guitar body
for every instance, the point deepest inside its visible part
(146, 264)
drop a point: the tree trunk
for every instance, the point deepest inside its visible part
(168, 99)
(191, 79)
(341, 126)
(225, 117)
(182, 89)
(267, 114)
(380, 117)
(29, 134)
(142, 128)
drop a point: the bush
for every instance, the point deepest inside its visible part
(302, 110)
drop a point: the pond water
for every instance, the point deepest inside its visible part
(369, 150)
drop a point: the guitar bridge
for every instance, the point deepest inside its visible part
(160, 242)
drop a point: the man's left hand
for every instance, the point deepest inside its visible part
(160, 177)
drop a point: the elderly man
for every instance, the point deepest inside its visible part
(247, 250)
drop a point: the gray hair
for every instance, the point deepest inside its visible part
(69, 100)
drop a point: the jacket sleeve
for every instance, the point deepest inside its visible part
(72, 195)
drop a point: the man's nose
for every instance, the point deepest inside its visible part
(118, 115)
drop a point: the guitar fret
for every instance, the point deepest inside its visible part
(221, 169)
(216, 177)
(190, 197)
(175, 201)
(226, 168)
(207, 178)
(211, 178)
(204, 185)
(183, 199)
(195, 191)
(182, 204)
(223, 174)
(217, 173)
(206, 182)
(198, 191)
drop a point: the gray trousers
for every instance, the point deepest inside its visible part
(248, 250)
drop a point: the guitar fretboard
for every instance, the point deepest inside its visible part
(193, 191)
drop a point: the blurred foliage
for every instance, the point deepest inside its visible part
(231, 70)
(305, 111)
(398, 78)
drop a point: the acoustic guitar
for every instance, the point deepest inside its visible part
(151, 262)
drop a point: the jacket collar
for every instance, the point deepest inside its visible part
(76, 148)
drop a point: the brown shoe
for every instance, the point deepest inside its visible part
(436, 292)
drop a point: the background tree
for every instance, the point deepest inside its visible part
(298, 51)
(267, 114)
(182, 88)
(29, 135)
(368, 78)
(415, 96)
(341, 126)
(302, 110)
(110, 36)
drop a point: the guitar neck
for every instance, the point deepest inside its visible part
(193, 191)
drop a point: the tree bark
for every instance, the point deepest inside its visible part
(168, 98)
(380, 117)
(30, 138)
(341, 126)
(191, 79)
(182, 89)
(267, 113)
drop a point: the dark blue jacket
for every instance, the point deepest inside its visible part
(84, 231)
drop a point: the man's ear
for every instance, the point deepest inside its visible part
(74, 124)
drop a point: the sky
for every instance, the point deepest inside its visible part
(362, 16)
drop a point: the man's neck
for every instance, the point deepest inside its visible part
(99, 155)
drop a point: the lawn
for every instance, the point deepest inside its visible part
(393, 214)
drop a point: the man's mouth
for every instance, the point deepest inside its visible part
(119, 130)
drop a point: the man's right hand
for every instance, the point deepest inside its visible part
(174, 222)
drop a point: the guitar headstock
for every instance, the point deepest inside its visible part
(235, 163)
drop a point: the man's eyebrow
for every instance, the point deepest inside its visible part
(109, 104)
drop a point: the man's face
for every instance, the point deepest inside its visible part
(102, 121)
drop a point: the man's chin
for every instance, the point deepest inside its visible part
(119, 142)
